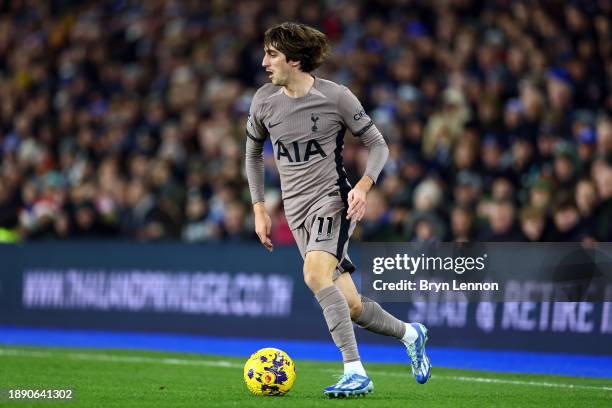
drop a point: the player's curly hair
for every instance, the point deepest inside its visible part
(299, 42)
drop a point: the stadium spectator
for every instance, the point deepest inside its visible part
(233, 226)
(602, 174)
(462, 224)
(587, 200)
(501, 223)
(566, 219)
(375, 225)
(199, 227)
(533, 224)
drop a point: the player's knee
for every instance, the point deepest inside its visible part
(316, 276)
(313, 277)
(309, 277)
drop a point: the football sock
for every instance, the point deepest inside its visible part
(354, 367)
(375, 319)
(411, 334)
(338, 318)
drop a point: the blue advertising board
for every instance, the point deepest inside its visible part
(242, 291)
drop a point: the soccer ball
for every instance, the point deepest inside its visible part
(269, 371)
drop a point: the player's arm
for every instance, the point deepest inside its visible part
(360, 124)
(254, 162)
(377, 157)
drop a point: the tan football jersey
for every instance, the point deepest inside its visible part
(307, 135)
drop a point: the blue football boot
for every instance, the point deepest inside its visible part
(350, 384)
(421, 368)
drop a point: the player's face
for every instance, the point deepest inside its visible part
(276, 65)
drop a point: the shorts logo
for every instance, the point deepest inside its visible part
(315, 118)
(328, 234)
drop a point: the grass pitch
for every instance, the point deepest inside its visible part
(126, 378)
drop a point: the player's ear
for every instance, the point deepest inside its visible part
(295, 64)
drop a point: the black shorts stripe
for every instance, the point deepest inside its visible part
(250, 136)
(347, 266)
(343, 235)
(364, 129)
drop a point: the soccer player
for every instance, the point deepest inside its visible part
(306, 118)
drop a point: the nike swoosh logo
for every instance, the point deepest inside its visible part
(270, 125)
(322, 240)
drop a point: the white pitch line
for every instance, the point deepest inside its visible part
(228, 364)
(119, 359)
(518, 382)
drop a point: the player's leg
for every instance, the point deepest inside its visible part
(319, 267)
(371, 316)
(318, 270)
(345, 283)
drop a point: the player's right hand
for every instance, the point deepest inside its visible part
(263, 225)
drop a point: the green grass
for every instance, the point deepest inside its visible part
(126, 378)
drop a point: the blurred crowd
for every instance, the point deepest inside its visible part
(125, 119)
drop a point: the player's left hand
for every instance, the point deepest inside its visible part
(357, 203)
